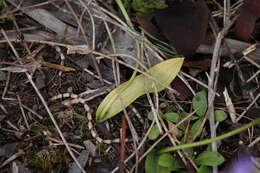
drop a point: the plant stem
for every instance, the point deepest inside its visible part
(208, 141)
(124, 12)
(128, 21)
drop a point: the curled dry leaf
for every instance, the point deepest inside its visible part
(245, 24)
(184, 25)
(149, 27)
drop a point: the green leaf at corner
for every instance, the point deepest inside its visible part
(210, 158)
(220, 115)
(200, 102)
(154, 133)
(126, 93)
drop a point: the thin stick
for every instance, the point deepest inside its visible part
(211, 95)
(248, 107)
(23, 113)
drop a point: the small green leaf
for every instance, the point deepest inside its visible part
(184, 114)
(171, 116)
(194, 128)
(200, 102)
(151, 162)
(166, 160)
(127, 92)
(220, 115)
(152, 166)
(204, 169)
(154, 133)
(210, 158)
(34, 127)
(150, 115)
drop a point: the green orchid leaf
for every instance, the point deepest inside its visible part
(166, 160)
(151, 162)
(194, 128)
(154, 133)
(164, 163)
(160, 75)
(220, 115)
(204, 169)
(210, 158)
(200, 102)
(150, 115)
(171, 116)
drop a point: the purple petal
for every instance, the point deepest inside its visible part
(242, 165)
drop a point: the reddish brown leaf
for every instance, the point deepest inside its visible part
(184, 25)
(57, 66)
(203, 64)
(181, 88)
(249, 13)
(148, 26)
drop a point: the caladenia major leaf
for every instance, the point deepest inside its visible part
(160, 75)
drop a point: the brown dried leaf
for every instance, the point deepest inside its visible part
(173, 129)
(181, 88)
(184, 25)
(245, 24)
(57, 66)
(148, 26)
(203, 64)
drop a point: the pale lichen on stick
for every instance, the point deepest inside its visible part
(77, 99)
